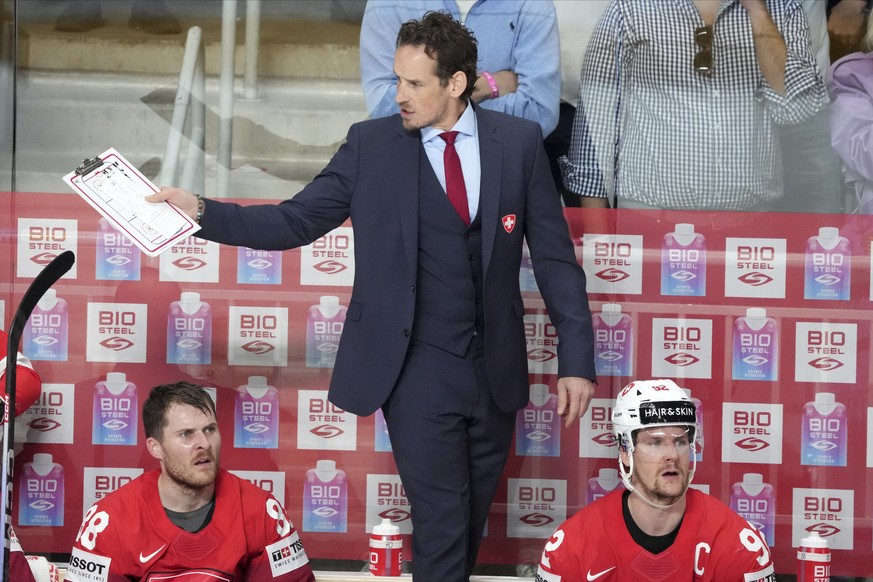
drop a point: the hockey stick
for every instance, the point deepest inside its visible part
(43, 281)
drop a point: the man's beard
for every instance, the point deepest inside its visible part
(660, 493)
(189, 479)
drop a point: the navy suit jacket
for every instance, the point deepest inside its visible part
(373, 179)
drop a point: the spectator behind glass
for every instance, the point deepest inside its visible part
(811, 170)
(851, 89)
(576, 22)
(681, 100)
(847, 24)
(518, 48)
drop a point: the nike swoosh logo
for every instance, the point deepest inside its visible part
(144, 559)
(591, 576)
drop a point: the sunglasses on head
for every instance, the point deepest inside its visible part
(703, 58)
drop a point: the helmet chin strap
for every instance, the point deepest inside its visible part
(626, 478)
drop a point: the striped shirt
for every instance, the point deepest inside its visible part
(651, 129)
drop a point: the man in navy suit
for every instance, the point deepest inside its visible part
(434, 333)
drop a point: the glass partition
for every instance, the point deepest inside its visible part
(763, 315)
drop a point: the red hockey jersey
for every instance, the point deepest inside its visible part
(27, 381)
(19, 569)
(128, 536)
(713, 544)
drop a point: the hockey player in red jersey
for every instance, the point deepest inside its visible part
(657, 529)
(190, 521)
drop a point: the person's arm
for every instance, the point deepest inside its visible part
(846, 20)
(770, 48)
(587, 169)
(321, 206)
(562, 285)
(801, 92)
(851, 116)
(19, 569)
(91, 549)
(379, 29)
(266, 521)
(506, 82)
(532, 64)
(594, 202)
(574, 396)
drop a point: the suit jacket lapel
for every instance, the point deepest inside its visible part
(491, 161)
(407, 149)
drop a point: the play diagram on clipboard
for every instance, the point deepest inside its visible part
(117, 190)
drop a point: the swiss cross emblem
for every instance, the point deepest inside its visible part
(509, 222)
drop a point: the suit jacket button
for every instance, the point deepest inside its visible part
(405, 333)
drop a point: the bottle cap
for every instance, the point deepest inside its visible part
(539, 393)
(753, 479)
(611, 308)
(386, 528)
(257, 382)
(756, 312)
(828, 232)
(48, 299)
(329, 301)
(684, 228)
(42, 459)
(116, 378)
(814, 541)
(325, 465)
(825, 398)
(190, 297)
(608, 474)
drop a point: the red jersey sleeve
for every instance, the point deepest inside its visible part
(27, 382)
(278, 554)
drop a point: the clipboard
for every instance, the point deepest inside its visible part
(116, 189)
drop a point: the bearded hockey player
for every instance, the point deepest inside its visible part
(189, 521)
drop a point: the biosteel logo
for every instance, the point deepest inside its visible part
(44, 424)
(395, 515)
(823, 529)
(825, 364)
(43, 259)
(754, 424)
(330, 267)
(682, 359)
(327, 431)
(117, 344)
(541, 355)
(189, 263)
(612, 275)
(258, 347)
(754, 279)
(259, 264)
(46, 239)
(536, 519)
(752, 444)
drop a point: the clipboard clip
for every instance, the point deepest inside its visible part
(89, 165)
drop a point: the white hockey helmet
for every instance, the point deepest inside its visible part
(648, 404)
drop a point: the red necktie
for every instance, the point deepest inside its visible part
(455, 188)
